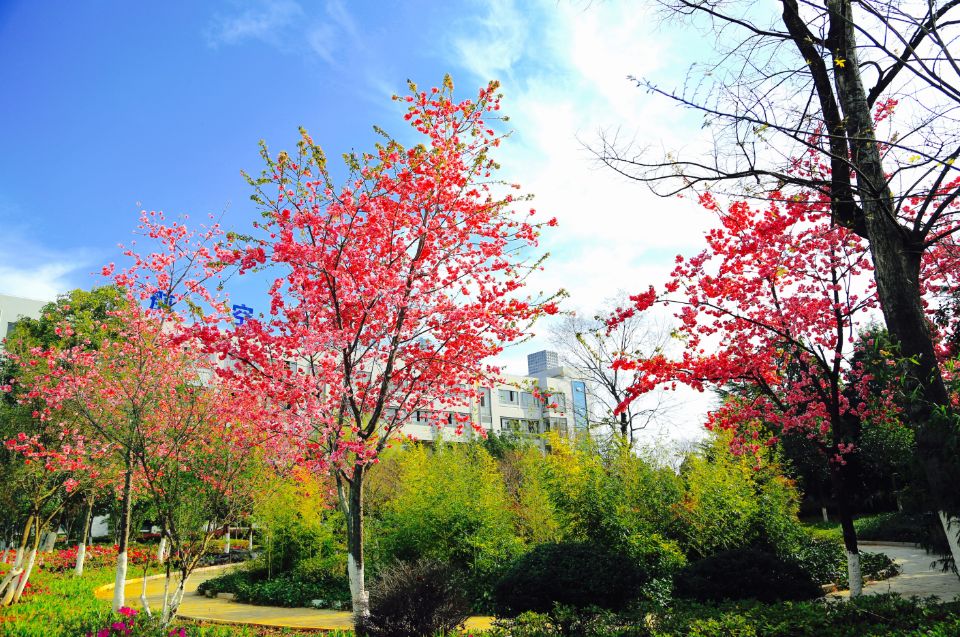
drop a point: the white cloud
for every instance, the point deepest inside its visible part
(35, 272)
(613, 233)
(325, 29)
(41, 282)
(263, 21)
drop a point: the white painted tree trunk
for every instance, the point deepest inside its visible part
(119, 582)
(26, 575)
(49, 541)
(8, 586)
(226, 543)
(143, 595)
(854, 575)
(81, 556)
(823, 512)
(162, 550)
(358, 591)
(165, 611)
(951, 526)
(177, 597)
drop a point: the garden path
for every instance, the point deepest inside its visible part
(223, 611)
(916, 577)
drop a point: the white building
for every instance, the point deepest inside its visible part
(13, 308)
(513, 406)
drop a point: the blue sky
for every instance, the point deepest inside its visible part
(110, 107)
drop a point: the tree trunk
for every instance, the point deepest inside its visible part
(162, 549)
(226, 541)
(823, 512)
(24, 539)
(124, 537)
(951, 526)
(82, 546)
(896, 256)
(143, 591)
(355, 559)
(165, 611)
(177, 596)
(854, 573)
(8, 581)
(50, 541)
(31, 560)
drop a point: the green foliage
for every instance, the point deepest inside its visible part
(892, 527)
(296, 522)
(418, 599)
(286, 589)
(873, 616)
(745, 574)
(572, 574)
(880, 527)
(615, 498)
(729, 503)
(449, 504)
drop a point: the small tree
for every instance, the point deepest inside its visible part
(119, 382)
(394, 290)
(590, 348)
(776, 297)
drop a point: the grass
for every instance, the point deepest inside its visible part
(61, 605)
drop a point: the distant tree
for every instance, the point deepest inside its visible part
(589, 347)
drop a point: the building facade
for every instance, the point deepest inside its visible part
(548, 399)
(13, 308)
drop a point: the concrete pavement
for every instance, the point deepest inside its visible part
(916, 576)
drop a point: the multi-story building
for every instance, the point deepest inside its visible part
(548, 399)
(13, 308)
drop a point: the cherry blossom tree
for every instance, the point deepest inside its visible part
(771, 309)
(391, 291)
(119, 387)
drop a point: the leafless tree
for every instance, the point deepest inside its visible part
(816, 80)
(586, 346)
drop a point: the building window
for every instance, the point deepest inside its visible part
(527, 401)
(558, 425)
(508, 397)
(520, 425)
(485, 411)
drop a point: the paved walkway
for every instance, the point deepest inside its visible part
(916, 577)
(223, 611)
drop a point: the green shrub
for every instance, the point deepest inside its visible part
(418, 599)
(892, 527)
(572, 574)
(823, 559)
(448, 504)
(286, 589)
(873, 616)
(745, 574)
